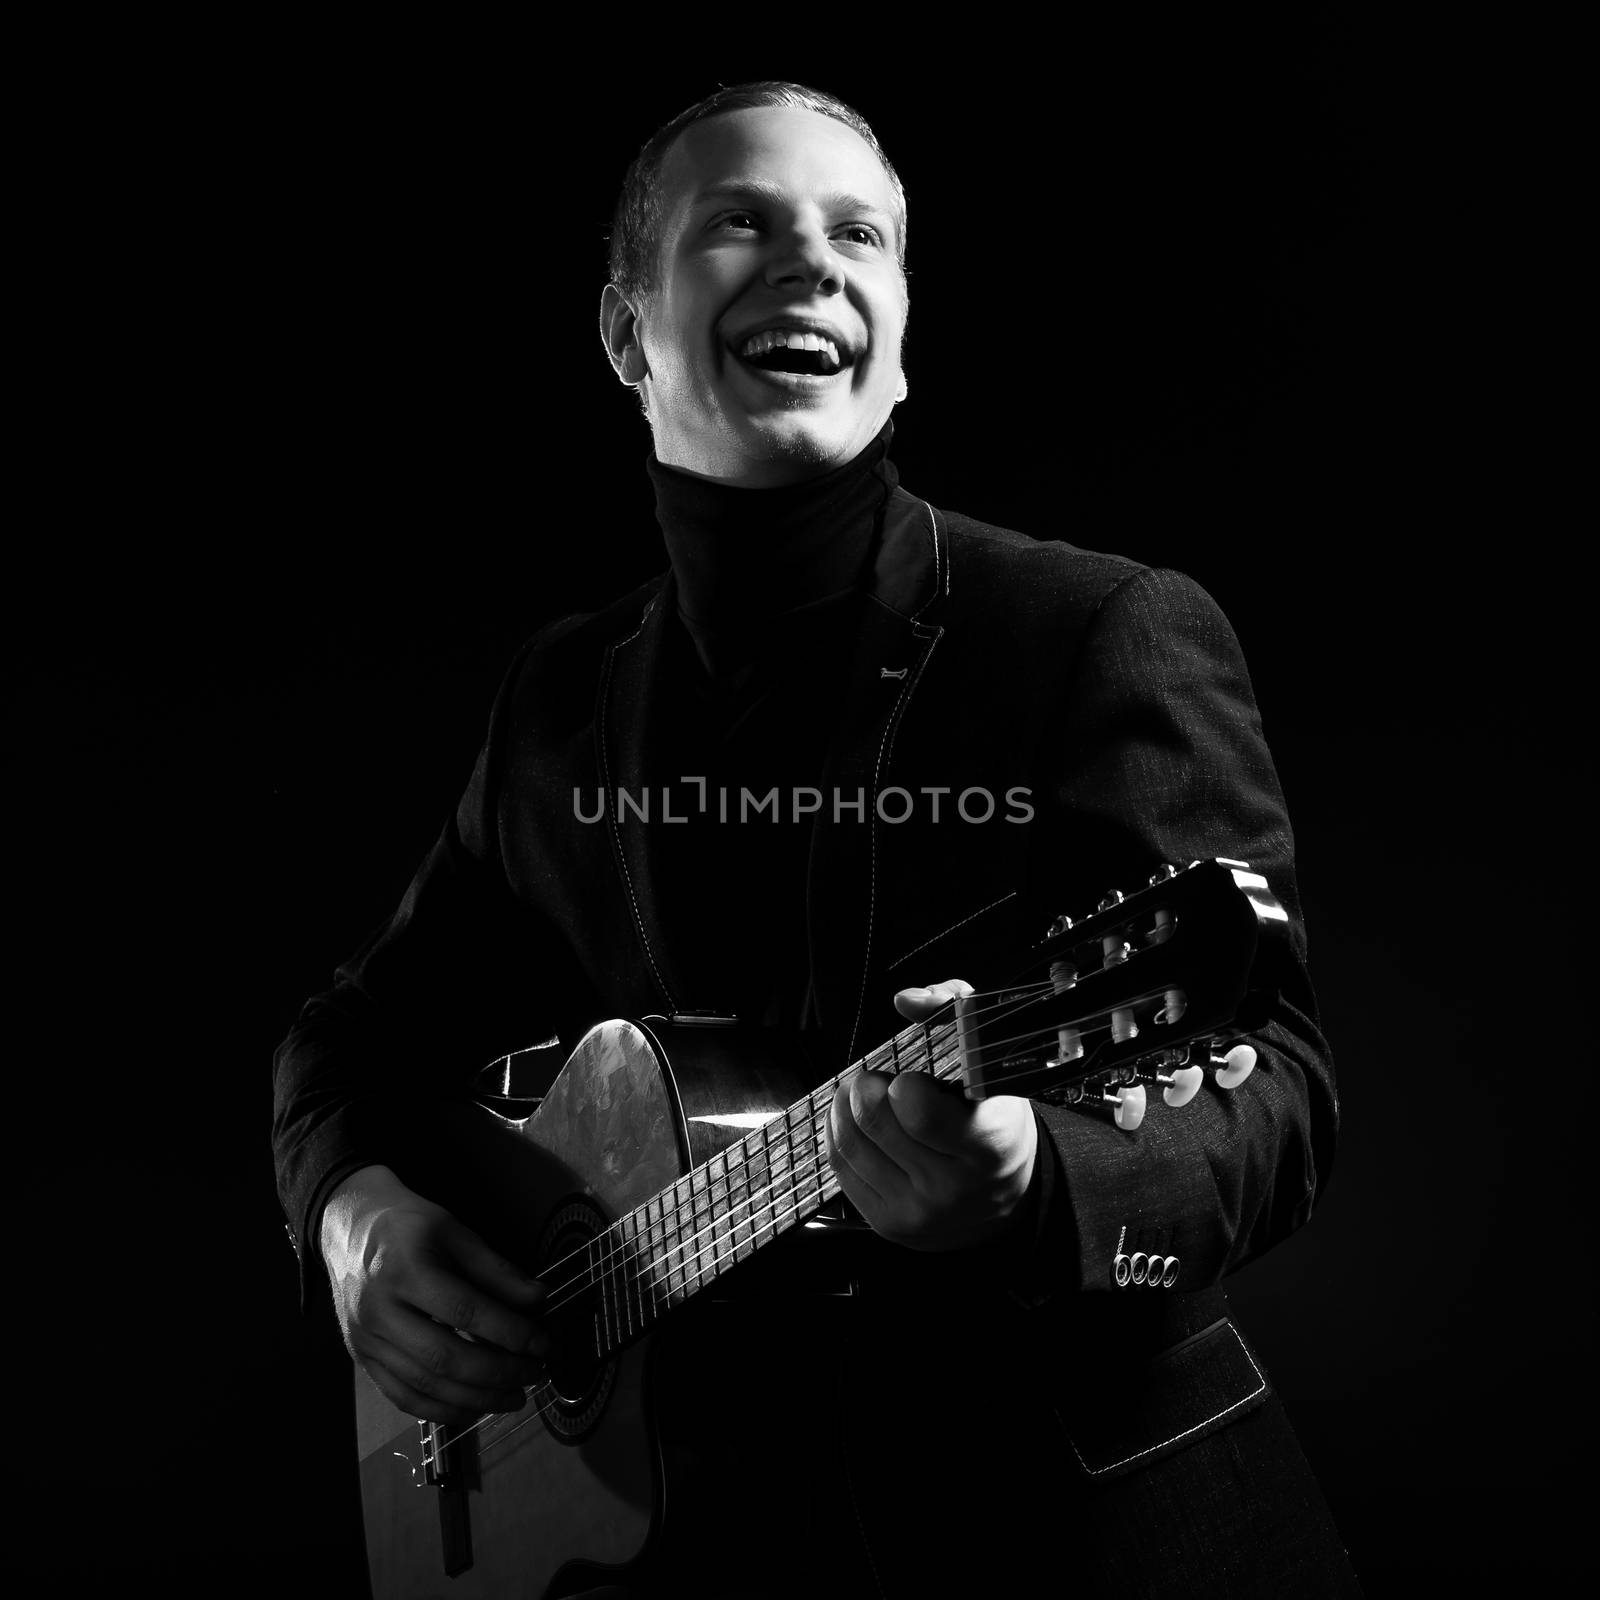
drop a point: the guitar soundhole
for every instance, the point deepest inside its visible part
(582, 1381)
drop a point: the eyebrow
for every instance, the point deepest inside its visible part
(754, 191)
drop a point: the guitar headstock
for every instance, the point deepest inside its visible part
(1144, 990)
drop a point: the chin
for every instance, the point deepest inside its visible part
(802, 440)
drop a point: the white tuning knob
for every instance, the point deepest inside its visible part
(1184, 1087)
(1130, 1107)
(1235, 1067)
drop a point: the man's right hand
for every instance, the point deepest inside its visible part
(409, 1282)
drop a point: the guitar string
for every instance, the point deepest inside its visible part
(773, 1219)
(728, 1179)
(923, 1032)
(720, 1248)
(890, 1050)
(919, 1033)
(687, 1268)
(624, 1257)
(733, 1245)
(624, 1249)
(801, 1176)
(532, 1389)
(937, 1056)
(543, 1409)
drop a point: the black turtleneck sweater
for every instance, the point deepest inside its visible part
(769, 585)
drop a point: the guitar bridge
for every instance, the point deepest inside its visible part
(443, 1468)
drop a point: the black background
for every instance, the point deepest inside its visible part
(324, 430)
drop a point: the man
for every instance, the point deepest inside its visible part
(823, 633)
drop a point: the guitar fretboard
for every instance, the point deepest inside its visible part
(719, 1214)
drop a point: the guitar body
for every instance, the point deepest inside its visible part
(574, 1498)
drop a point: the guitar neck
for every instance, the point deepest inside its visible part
(775, 1178)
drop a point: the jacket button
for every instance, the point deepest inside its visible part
(1169, 1273)
(1119, 1271)
(1141, 1266)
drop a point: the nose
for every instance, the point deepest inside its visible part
(806, 258)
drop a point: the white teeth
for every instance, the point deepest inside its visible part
(760, 343)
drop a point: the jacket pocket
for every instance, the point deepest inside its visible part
(1144, 1415)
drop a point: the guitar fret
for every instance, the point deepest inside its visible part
(686, 1233)
(640, 1217)
(772, 1179)
(630, 1288)
(673, 1253)
(640, 1266)
(695, 1226)
(717, 1210)
(655, 1244)
(738, 1199)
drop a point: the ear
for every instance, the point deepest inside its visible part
(619, 332)
(905, 389)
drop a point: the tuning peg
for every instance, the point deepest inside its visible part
(1112, 897)
(1234, 1067)
(1162, 873)
(1130, 1106)
(1182, 1086)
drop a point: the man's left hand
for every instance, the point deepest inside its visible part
(925, 1167)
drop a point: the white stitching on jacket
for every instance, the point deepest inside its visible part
(941, 576)
(951, 929)
(940, 579)
(1095, 1472)
(877, 772)
(616, 828)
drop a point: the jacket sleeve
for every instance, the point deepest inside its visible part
(448, 983)
(1157, 755)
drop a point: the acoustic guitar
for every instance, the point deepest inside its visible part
(670, 1151)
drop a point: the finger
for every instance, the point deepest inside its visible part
(438, 1376)
(440, 1352)
(863, 1130)
(919, 1003)
(874, 1104)
(484, 1266)
(932, 1120)
(438, 1293)
(404, 1398)
(856, 1189)
(857, 1184)
(417, 1402)
(507, 1287)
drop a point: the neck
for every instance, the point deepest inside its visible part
(742, 554)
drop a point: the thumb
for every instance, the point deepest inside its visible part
(916, 1004)
(488, 1270)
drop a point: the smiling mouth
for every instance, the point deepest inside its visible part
(804, 355)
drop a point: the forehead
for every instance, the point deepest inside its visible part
(803, 153)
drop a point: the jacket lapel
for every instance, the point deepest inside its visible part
(628, 716)
(897, 639)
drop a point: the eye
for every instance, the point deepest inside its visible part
(861, 233)
(745, 221)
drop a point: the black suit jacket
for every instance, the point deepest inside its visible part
(1115, 695)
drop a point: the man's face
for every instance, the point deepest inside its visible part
(779, 230)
